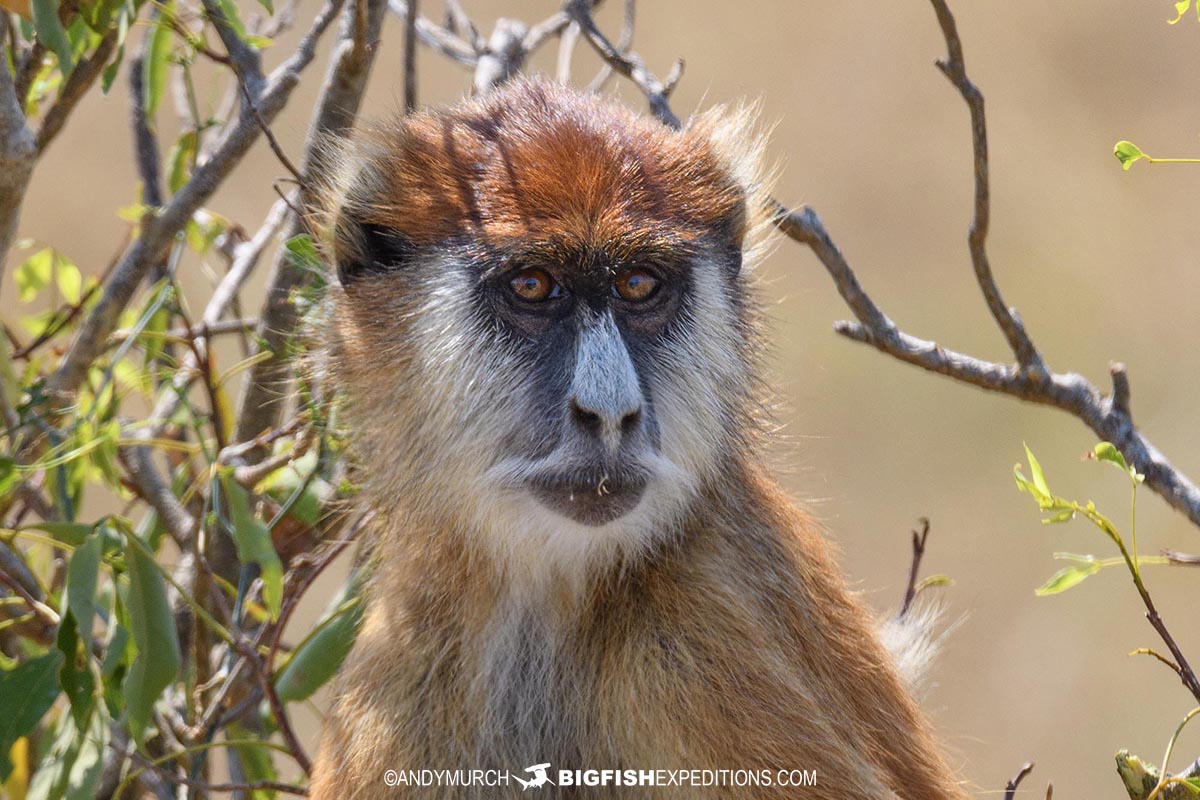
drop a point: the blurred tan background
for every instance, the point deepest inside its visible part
(1101, 264)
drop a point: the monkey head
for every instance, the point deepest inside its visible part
(541, 316)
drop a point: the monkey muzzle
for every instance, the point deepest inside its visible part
(593, 499)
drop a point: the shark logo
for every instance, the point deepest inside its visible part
(539, 779)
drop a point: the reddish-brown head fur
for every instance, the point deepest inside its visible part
(536, 161)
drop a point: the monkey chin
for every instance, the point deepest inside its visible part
(594, 503)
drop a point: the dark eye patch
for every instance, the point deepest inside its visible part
(376, 250)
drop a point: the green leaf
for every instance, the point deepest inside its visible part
(68, 279)
(268, 5)
(99, 13)
(26, 693)
(1075, 557)
(230, 12)
(72, 533)
(83, 573)
(182, 157)
(110, 72)
(1128, 152)
(1181, 8)
(153, 629)
(1066, 578)
(51, 33)
(74, 764)
(154, 66)
(303, 252)
(1105, 451)
(1065, 515)
(10, 477)
(934, 580)
(253, 542)
(318, 657)
(296, 476)
(75, 677)
(256, 761)
(34, 275)
(1035, 469)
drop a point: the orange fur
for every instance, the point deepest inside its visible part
(729, 642)
(541, 159)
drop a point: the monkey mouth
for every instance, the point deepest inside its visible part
(592, 500)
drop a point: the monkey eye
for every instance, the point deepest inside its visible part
(535, 285)
(635, 285)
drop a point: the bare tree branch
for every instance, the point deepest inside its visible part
(246, 258)
(76, 86)
(1068, 392)
(628, 64)
(918, 552)
(566, 49)
(146, 153)
(410, 58)
(458, 23)
(628, 26)
(245, 60)
(156, 490)
(18, 152)
(955, 69)
(1010, 788)
(440, 39)
(335, 112)
(504, 57)
(1029, 379)
(159, 230)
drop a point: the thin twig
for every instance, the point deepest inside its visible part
(146, 152)
(245, 260)
(156, 490)
(955, 69)
(276, 148)
(628, 26)
(630, 65)
(504, 57)
(198, 331)
(74, 88)
(458, 23)
(334, 115)
(159, 231)
(1182, 559)
(410, 58)
(439, 38)
(299, 582)
(1010, 788)
(566, 49)
(245, 60)
(253, 786)
(18, 152)
(918, 548)
(47, 615)
(1146, 651)
(291, 740)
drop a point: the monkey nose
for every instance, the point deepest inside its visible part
(610, 422)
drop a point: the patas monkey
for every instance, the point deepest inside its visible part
(544, 326)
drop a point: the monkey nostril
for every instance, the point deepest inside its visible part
(630, 421)
(587, 419)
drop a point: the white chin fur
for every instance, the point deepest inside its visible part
(539, 549)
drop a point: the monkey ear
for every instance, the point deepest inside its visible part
(737, 138)
(366, 248)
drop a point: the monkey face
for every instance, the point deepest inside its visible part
(541, 320)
